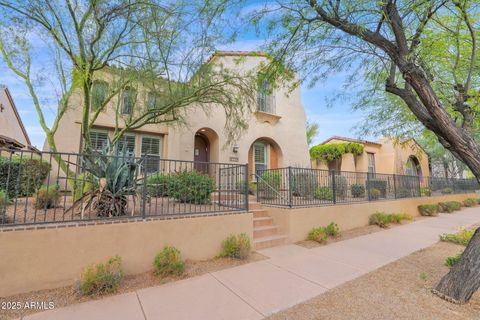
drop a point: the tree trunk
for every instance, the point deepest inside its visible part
(463, 279)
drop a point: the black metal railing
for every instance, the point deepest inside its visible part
(303, 187)
(35, 189)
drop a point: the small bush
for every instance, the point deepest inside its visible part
(453, 260)
(324, 193)
(102, 278)
(428, 209)
(380, 219)
(404, 193)
(160, 185)
(251, 185)
(304, 183)
(47, 197)
(192, 187)
(168, 262)
(426, 192)
(237, 247)
(449, 206)
(470, 202)
(20, 177)
(4, 202)
(447, 190)
(272, 179)
(462, 237)
(399, 217)
(358, 190)
(380, 185)
(332, 230)
(374, 194)
(83, 183)
(318, 234)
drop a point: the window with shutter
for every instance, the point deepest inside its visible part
(260, 157)
(129, 97)
(98, 139)
(99, 94)
(151, 147)
(127, 141)
(265, 97)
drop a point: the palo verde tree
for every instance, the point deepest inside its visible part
(402, 40)
(159, 46)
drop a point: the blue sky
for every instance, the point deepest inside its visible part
(337, 118)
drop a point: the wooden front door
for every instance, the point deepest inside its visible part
(201, 153)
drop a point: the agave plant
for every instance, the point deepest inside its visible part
(115, 172)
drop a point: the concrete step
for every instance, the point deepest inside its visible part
(254, 205)
(262, 222)
(259, 213)
(268, 242)
(265, 231)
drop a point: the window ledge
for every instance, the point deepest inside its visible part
(267, 117)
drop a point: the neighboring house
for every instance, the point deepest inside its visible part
(386, 157)
(13, 135)
(275, 136)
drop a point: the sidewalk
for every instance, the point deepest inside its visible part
(291, 275)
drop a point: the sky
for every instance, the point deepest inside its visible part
(334, 118)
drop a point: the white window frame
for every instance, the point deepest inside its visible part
(266, 155)
(134, 152)
(371, 165)
(160, 139)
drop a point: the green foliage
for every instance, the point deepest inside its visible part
(449, 206)
(312, 131)
(374, 193)
(192, 187)
(160, 185)
(272, 179)
(22, 176)
(341, 185)
(324, 193)
(462, 237)
(428, 209)
(470, 202)
(453, 260)
(399, 217)
(358, 190)
(425, 191)
(237, 247)
(447, 190)
(169, 262)
(102, 278)
(380, 185)
(47, 197)
(318, 234)
(383, 219)
(304, 183)
(4, 202)
(84, 183)
(332, 230)
(334, 151)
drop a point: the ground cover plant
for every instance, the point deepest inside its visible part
(168, 262)
(102, 278)
(428, 209)
(383, 219)
(321, 234)
(236, 246)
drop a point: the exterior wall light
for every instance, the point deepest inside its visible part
(235, 149)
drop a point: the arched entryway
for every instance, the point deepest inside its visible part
(412, 167)
(264, 153)
(205, 149)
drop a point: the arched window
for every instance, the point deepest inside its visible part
(412, 167)
(99, 94)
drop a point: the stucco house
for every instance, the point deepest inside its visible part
(387, 156)
(275, 136)
(13, 135)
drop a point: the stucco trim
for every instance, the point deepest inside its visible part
(17, 115)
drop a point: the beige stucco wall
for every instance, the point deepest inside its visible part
(296, 223)
(50, 258)
(9, 124)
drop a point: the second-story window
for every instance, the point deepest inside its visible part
(371, 163)
(152, 101)
(127, 144)
(129, 97)
(99, 94)
(265, 97)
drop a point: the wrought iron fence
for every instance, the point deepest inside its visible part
(35, 189)
(303, 187)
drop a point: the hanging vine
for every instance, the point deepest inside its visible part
(335, 151)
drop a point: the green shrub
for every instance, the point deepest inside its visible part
(404, 193)
(83, 183)
(160, 185)
(447, 190)
(318, 234)
(332, 230)
(4, 202)
(341, 185)
(334, 151)
(324, 193)
(273, 179)
(102, 278)
(380, 185)
(425, 191)
(237, 247)
(303, 183)
(462, 237)
(168, 262)
(380, 219)
(47, 197)
(399, 217)
(449, 206)
(374, 194)
(358, 190)
(470, 202)
(192, 187)
(22, 176)
(251, 185)
(453, 260)
(428, 209)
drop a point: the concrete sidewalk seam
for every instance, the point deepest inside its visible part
(297, 275)
(141, 305)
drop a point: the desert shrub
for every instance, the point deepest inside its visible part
(22, 176)
(273, 179)
(341, 185)
(102, 278)
(332, 230)
(237, 247)
(47, 196)
(470, 202)
(453, 260)
(358, 190)
(374, 194)
(462, 237)
(83, 183)
(324, 193)
(449, 206)
(192, 187)
(318, 234)
(404, 193)
(168, 262)
(380, 219)
(447, 190)
(160, 185)
(380, 185)
(4, 202)
(428, 209)
(399, 217)
(425, 191)
(303, 183)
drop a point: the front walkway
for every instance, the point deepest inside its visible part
(291, 275)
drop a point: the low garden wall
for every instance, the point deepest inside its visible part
(50, 256)
(297, 222)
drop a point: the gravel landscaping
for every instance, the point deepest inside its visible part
(399, 290)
